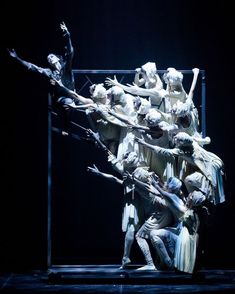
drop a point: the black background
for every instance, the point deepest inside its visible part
(106, 35)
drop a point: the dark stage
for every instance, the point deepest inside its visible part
(110, 279)
(52, 210)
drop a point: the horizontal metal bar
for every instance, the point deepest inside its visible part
(124, 71)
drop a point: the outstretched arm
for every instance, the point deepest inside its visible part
(201, 141)
(159, 150)
(97, 140)
(72, 94)
(147, 191)
(110, 177)
(125, 119)
(30, 66)
(135, 90)
(117, 165)
(175, 202)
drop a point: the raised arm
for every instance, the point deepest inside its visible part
(69, 50)
(137, 79)
(194, 82)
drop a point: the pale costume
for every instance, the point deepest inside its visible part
(185, 116)
(160, 98)
(124, 106)
(99, 119)
(175, 90)
(96, 108)
(187, 242)
(134, 207)
(129, 163)
(183, 111)
(192, 157)
(149, 125)
(135, 125)
(162, 227)
(153, 90)
(199, 182)
(157, 134)
(147, 75)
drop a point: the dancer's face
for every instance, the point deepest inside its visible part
(52, 59)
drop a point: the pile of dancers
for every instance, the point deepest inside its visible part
(150, 132)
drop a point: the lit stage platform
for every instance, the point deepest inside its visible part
(109, 274)
(110, 279)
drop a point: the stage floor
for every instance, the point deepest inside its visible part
(110, 279)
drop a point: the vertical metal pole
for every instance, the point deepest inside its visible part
(203, 108)
(49, 184)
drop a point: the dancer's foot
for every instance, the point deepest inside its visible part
(147, 267)
(125, 262)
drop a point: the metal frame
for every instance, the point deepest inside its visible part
(50, 128)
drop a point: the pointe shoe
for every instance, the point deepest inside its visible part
(147, 267)
(125, 262)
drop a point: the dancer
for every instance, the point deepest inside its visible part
(192, 157)
(60, 69)
(134, 208)
(163, 225)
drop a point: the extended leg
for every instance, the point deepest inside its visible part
(144, 246)
(129, 239)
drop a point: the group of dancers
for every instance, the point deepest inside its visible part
(150, 132)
